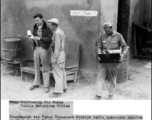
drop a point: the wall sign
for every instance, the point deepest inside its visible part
(83, 13)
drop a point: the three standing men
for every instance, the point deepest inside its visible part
(43, 35)
(107, 72)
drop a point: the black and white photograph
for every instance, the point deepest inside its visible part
(76, 50)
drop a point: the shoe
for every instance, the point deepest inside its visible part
(64, 90)
(110, 97)
(46, 90)
(54, 95)
(33, 87)
(97, 97)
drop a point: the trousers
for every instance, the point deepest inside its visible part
(59, 73)
(106, 77)
(43, 56)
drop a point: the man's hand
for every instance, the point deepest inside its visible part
(99, 51)
(36, 38)
(121, 56)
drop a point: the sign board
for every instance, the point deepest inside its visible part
(83, 13)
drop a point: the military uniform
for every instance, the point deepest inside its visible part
(107, 72)
(58, 55)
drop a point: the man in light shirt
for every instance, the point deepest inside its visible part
(107, 72)
(58, 58)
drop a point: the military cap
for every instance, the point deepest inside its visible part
(107, 24)
(54, 20)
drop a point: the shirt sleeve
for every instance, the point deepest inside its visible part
(57, 45)
(123, 45)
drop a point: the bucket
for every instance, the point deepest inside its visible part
(122, 74)
(11, 48)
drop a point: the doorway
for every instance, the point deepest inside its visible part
(123, 17)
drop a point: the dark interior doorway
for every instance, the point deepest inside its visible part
(123, 17)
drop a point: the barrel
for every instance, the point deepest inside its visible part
(11, 48)
(122, 74)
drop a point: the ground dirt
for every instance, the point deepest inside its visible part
(138, 86)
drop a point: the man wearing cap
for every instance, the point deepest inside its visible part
(43, 38)
(107, 72)
(58, 58)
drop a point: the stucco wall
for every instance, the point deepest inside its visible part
(109, 12)
(17, 18)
